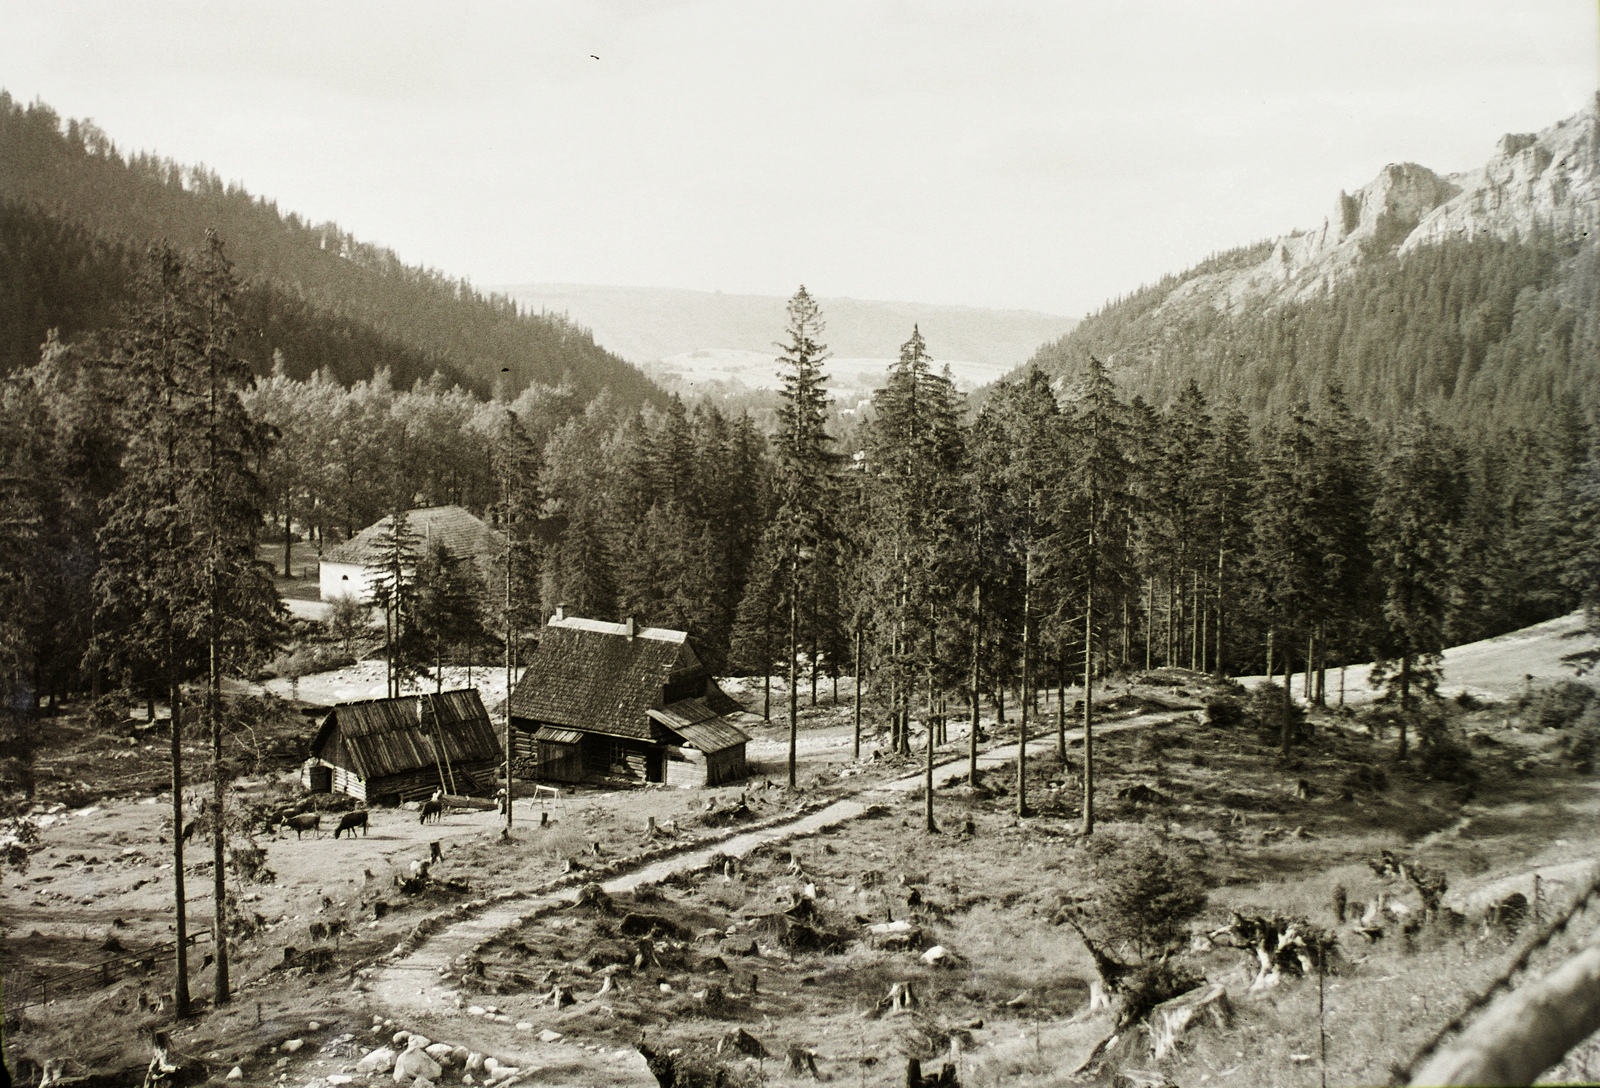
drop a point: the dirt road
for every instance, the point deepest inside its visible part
(408, 989)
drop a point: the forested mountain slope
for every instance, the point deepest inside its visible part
(1474, 296)
(74, 212)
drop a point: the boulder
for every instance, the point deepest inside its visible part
(413, 1064)
(292, 1045)
(439, 1052)
(380, 1060)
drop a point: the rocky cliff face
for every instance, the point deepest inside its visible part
(1549, 180)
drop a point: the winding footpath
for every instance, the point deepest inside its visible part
(411, 992)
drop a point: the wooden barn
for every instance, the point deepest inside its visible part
(385, 751)
(612, 701)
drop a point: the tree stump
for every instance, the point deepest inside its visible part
(1169, 1019)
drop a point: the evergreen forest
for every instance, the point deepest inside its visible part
(1405, 464)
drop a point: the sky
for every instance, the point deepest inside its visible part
(1037, 155)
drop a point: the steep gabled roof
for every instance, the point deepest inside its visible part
(463, 535)
(392, 736)
(592, 675)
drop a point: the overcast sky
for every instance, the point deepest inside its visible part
(1040, 155)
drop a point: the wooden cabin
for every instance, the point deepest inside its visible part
(385, 751)
(611, 701)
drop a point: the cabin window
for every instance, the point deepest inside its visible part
(619, 756)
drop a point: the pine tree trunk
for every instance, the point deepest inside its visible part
(1027, 681)
(1088, 708)
(288, 541)
(1405, 700)
(180, 988)
(1061, 708)
(1288, 699)
(1219, 672)
(977, 650)
(794, 678)
(219, 874)
(855, 740)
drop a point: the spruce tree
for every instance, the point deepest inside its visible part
(1419, 501)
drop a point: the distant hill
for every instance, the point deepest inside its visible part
(75, 214)
(698, 336)
(1474, 295)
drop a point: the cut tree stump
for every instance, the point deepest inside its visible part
(1169, 1019)
(800, 1061)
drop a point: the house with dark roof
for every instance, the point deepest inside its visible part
(385, 751)
(615, 701)
(345, 570)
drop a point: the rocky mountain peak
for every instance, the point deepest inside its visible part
(1534, 181)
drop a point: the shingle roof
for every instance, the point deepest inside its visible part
(700, 726)
(588, 674)
(391, 736)
(463, 535)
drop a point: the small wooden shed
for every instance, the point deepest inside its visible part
(385, 751)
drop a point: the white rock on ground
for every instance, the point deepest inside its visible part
(235, 1073)
(380, 1060)
(413, 1064)
(292, 1045)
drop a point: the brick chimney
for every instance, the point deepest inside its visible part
(631, 627)
(561, 612)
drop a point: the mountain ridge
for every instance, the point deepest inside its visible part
(652, 325)
(1549, 180)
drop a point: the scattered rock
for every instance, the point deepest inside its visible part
(401, 1038)
(235, 1073)
(524, 1025)
(292, 1045)
(380, 1060)
(549, 1036)
(413, 1064)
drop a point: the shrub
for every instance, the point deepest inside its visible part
(1224, 712)
(1266, 709)
(1145, 893)
(1152, 984)
(1558, 705)
(1365, 777)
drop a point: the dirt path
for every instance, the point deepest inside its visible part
(408, 990)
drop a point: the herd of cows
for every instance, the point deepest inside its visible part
(301, 823)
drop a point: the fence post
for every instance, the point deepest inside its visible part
(1527, 1031)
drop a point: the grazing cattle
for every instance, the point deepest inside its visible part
(350, 821)
(310, 821)
(188, 830)
(434, 808)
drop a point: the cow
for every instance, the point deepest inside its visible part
(434, 808)
(350, 821)
(308, 821)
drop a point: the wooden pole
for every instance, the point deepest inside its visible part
(1526, 1032)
